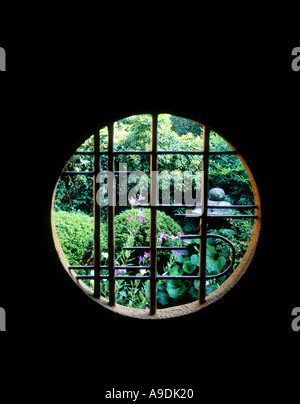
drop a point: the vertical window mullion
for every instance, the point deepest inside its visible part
(153, 214)
(96, 187)
(203, 219)
(111, 217)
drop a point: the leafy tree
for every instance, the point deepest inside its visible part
(74, 193)
(182, 126)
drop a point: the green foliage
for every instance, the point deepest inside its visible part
(133, 293)
(237, 231)
(175, 291)
(74, 210)
(227, 172)
(172, 140)
(74, 193)
(133, 133)
(214, 261)
(183, 126)
(75, 234)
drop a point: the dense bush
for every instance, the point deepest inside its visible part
(75, 234)
(74, 193)
(227, 172)
(239, 232)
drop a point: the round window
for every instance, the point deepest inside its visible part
(156, 216)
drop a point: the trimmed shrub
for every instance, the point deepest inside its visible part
(75, 234)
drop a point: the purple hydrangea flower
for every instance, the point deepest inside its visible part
(129, 217)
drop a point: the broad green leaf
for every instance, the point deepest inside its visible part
(176, 270)
(214, 263)
(181, 259)
(162, 295)
(211, 266)
(188, 267)
(195, 259)
(175, 288)
(221, 262)
(210, 251)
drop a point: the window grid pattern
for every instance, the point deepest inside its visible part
(154, 205)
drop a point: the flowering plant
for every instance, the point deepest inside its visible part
(135, 293)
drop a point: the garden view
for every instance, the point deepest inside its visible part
(228, 181)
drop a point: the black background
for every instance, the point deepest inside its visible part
(61, 343)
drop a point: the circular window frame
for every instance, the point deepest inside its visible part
(187, 308)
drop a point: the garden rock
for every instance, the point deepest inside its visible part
(216, 197)
(216, 194)
(213, 211)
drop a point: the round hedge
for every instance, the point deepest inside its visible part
(75, 234)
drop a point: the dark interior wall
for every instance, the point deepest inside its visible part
(63, 335)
